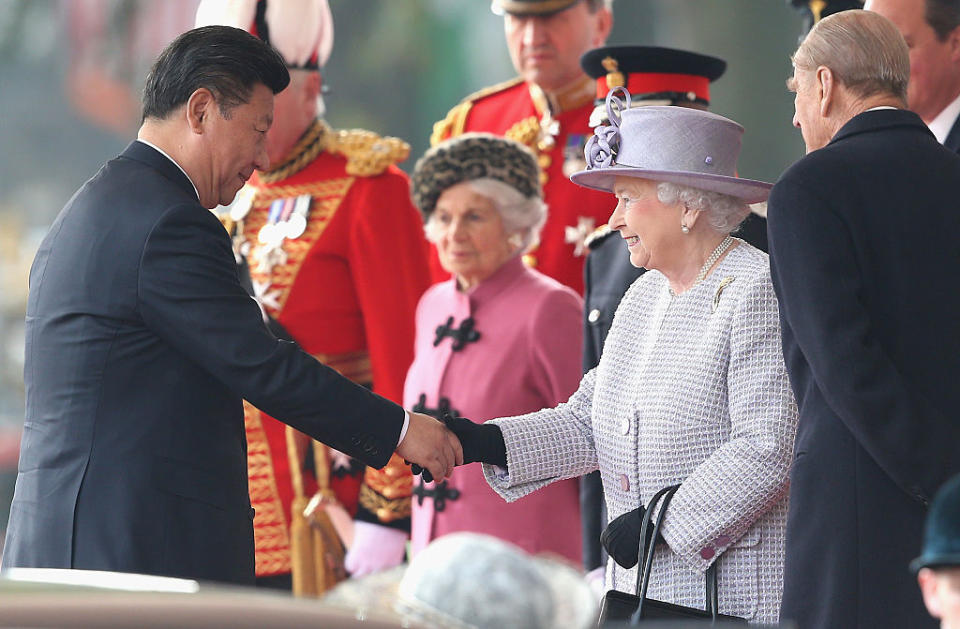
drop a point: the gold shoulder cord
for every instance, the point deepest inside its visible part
(367, 153)
(312, 143)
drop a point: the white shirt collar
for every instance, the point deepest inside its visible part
(942, 124)
(162, 152)
(881, 107)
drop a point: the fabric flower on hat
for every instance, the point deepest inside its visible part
(602, 147)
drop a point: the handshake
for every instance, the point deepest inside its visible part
(433, 448)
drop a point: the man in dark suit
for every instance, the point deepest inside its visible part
(864, 259)
(932, 31)
(141, 342)
(654, 76)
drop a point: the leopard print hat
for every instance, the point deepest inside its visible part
(473, 156)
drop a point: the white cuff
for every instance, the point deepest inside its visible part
(406, 424)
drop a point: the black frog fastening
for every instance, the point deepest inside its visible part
(443, 406)
(440, 494)
(461, 336)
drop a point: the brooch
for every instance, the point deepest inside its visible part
(727, 281)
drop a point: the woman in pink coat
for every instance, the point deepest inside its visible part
(496, 339)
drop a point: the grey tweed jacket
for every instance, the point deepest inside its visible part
(690, 389)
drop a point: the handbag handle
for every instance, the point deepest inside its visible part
(645, 556)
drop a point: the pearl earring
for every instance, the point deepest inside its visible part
(515, 240)
(684, 228)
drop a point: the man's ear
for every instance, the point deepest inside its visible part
(200, 108)
(826, 87)
(604, 19)
(311, 86)
(929, 585)
(953, 39)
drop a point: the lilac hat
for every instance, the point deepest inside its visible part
(679, 145)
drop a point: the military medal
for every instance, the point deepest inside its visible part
(297, 223)
(577, 236)
(573, 158)
(271, 234)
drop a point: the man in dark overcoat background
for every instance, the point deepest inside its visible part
(141, 342)
(932, 31)
(863, 246)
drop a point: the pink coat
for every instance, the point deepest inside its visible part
(526, 358)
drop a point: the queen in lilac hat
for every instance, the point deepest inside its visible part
(682, 162)
(691, 387)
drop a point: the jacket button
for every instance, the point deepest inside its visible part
(624, 482)
(707, 552)
(594, 315)
(625, 426)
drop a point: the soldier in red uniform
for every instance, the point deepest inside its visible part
(338, 260)
(547, 108)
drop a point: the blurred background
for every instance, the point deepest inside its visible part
(71, 72)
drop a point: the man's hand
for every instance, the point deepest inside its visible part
(429, 444)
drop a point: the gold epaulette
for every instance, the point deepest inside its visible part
(367, 153)
(456, 119)
(597, 235)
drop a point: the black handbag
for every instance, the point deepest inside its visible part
(620, 609)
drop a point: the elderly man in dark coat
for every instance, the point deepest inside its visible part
(863, 248)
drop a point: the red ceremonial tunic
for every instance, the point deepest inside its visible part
(346, 290)
(555, 127)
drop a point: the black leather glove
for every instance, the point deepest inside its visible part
(481, 443)
(621, 538)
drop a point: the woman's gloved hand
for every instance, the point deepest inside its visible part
(375, 547)
(481, 443)
(621, 538)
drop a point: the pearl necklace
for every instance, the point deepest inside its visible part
(723, 246)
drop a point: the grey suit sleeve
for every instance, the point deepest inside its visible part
(189, 294)
(747, 475)
(546, 446)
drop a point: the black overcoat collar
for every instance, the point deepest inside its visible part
(878, 120)
(150, 156)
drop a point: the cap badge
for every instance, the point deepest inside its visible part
(615, 78)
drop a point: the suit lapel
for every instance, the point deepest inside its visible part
(138, 151)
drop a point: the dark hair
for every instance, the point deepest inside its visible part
(943, 16)
(227, 61)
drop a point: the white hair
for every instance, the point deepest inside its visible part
(521, 215)
(863, 49)
(724, 212)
